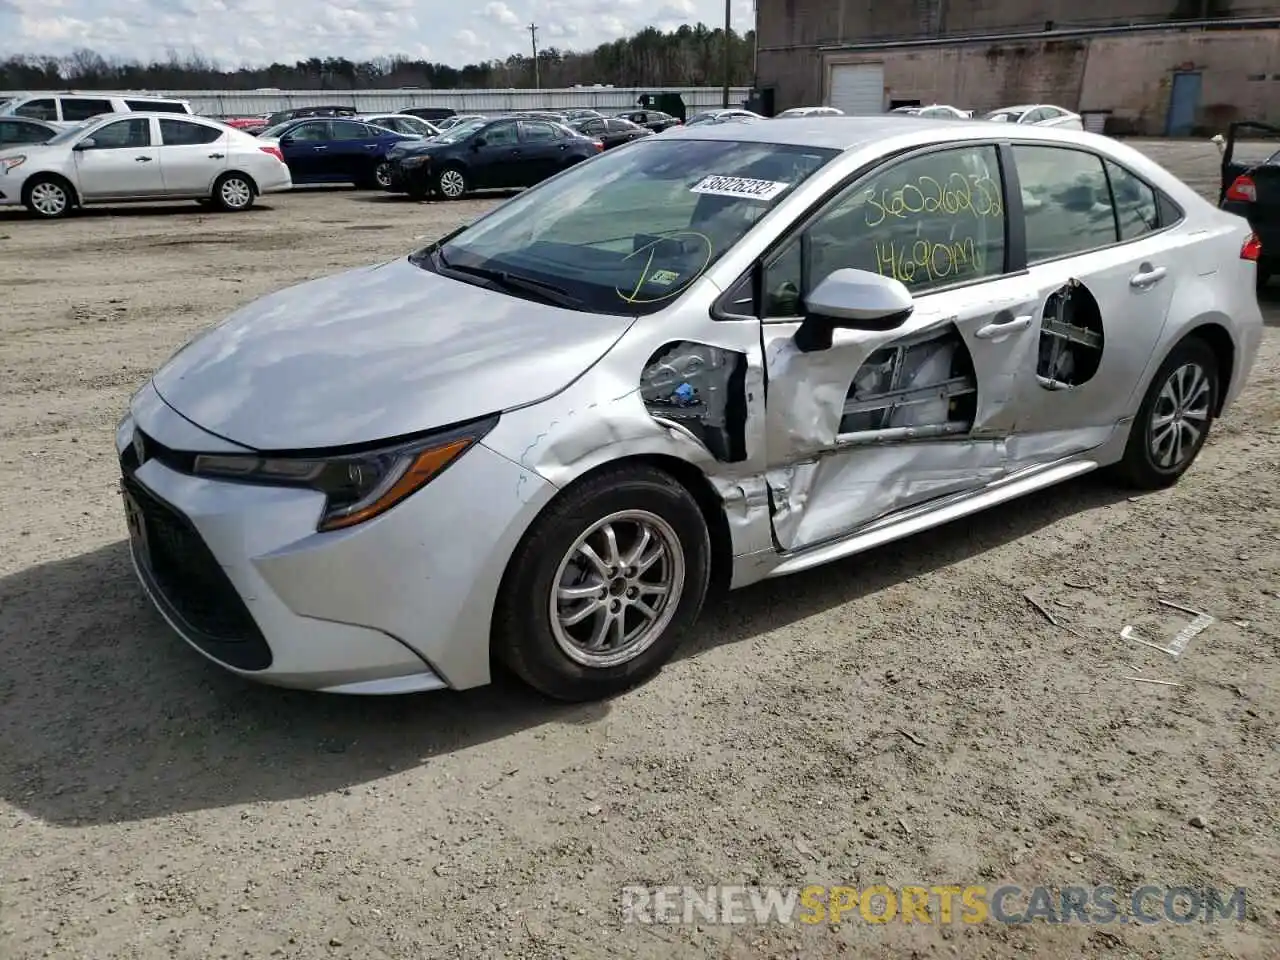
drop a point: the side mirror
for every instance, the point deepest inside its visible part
(478, 142)
(88, 143)
(852, 300)
(286, 140)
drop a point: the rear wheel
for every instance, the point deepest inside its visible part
(49, 197)
(233, 192)
(382, 175)
(1173, 422)
(604, 586)
(451, 183)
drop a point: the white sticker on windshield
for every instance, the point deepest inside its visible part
(722, 186)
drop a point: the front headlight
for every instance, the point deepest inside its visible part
(415, 160)
(8, 163)
(357, 486)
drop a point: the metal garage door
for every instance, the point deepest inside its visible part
(857, 88)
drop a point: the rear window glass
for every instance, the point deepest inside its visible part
(158, 106)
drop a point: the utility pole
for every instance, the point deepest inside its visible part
(728, 13)
(533, 36)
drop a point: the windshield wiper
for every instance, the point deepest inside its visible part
(514, 283)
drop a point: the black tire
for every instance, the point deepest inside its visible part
(452, 183)
(1264, 276)
(525, 640)
(1140, 467)
(49, 197)
(381, 179)
(233, 193)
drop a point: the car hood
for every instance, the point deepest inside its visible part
(375, 353)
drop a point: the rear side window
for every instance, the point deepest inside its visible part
(1137, 209)
(176, 133)
(1066, 200)
(157, 106)
(45, 109)
(538, 130)
(350, 130)
(82, 108)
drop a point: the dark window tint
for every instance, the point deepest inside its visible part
(158, 106)
(38, 110)
(16, 131)
(351, 130)
(82, 108)
(179, 133)
(537, 130)
(1066, 200)
(313, 132)
(123, 134)
(593, 126)
(929, 221)
(1137, 209)
(620, 126)
(500, 135)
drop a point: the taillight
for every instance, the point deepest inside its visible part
(274, 151)
(1243, 190)
(1251, 249)
(598, 145)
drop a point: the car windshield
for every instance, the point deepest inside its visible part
(460, 131)
(630, 230)
(70, 133)
(277, 130)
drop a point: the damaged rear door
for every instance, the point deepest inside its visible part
(1105, 264)
(888, 419)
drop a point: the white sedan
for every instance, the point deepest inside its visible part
(1038, 115)
(138, 157)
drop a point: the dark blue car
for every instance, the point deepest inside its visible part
(336, 150)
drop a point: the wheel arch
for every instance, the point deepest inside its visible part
(1219, 339)
(237, 172)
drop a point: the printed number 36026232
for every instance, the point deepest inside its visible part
(958, 195)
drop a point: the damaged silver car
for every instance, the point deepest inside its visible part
(729, 353)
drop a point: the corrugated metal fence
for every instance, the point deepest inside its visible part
(254, 102)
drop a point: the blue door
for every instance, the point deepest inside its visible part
(1184, 101)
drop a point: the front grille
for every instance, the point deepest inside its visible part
(191, 585)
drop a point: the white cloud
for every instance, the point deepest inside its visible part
(259, 31)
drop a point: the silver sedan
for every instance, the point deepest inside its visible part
(729, 353)
(141, 156)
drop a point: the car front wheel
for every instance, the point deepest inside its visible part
(451, 183)
(1173, 422)
(49, 197)
(604, 586)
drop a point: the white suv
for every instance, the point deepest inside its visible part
(66, 109)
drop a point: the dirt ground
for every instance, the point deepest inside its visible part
(905, 717)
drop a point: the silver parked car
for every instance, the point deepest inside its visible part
(720, 355)
(142, 156)
(1039, 115)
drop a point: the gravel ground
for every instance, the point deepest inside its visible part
(906, 717)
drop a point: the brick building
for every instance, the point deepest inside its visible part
(1136, 66)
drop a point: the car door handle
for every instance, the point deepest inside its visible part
(371, 146)
(321, 148)
(216, 156)
(1002, 328)
(141, 159)
(1147, 278)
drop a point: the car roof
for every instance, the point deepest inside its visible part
(847, 133)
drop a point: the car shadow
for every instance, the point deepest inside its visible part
(108, 717)
(1269, 301)
(176, 208)
(384, 197)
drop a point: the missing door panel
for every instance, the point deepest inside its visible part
(1071, 338)
(918, 387)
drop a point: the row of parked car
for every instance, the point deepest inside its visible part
(84, 148)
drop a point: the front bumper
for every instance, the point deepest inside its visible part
(401, 603)
(409, 177)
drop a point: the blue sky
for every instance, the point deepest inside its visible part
(260, 31)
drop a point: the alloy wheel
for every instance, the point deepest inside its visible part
(452, 184)
(382, 174)
(235, 193)
(49, 199)
(1180, 417)
(617, 589)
